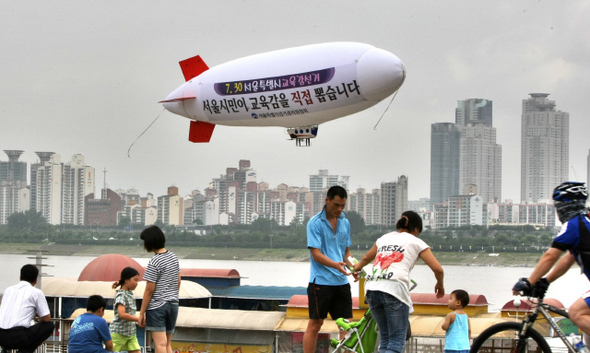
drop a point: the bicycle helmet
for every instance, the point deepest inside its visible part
(570, 200)
(570, 191)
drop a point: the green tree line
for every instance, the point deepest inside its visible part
(31, 227)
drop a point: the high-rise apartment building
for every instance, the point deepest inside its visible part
(14, 194)
(43, 157)
(542, 215)
(474, 111)
(460, 210)
(368, 205)
(13, 169)
(445, 147)
(62, 189)
(466, 153)
(305, 198)
(394, 200)
(324, 180)
(423, 204)
(49, 184)
(480, 161)
(544, 148)
(319, 185)
(145, 215)
(78, 181)
(137, 214)
(246, 203)
(203, 211)
(244, 174)
(171, 208)
(14, 197)
(283, 212)
(130, 196)
(264, 199)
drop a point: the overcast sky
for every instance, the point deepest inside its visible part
(85, 77)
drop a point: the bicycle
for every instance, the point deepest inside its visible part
(362, 335)
(521, 337)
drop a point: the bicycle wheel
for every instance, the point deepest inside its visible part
(503, 338)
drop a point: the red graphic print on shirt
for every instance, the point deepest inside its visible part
(386, 261)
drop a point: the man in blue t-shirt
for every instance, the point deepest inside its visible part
(574, 239)
(90, 330)
(328, 240)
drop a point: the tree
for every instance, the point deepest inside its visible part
(263, 225)
(124, 222)
(530, 239)
(294, 223)
(502, 239)
(29, 220)
(306, 220)
(357, 223)
(198, 222)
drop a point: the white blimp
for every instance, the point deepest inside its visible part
(296, 88)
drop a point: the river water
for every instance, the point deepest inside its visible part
(494, 283)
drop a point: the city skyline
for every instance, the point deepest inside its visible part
(316, 182)
(475, 121)
(66, 191)
(61, 93)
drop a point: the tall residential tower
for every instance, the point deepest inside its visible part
(445, 144)
(544, 150)
(480, 155)
(14, 194)
(394, 200)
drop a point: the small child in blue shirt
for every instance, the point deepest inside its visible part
(457, 324)
(89, 330)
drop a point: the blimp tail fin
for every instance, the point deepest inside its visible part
(193, 67)
(200, 131)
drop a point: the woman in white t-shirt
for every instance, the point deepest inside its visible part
(388, 281)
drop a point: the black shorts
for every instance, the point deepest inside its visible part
(335, 300)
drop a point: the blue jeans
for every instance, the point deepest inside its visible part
(391, 316)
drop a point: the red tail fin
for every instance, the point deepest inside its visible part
(193, 67)
(200, 131)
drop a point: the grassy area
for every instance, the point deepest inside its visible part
(445, 258)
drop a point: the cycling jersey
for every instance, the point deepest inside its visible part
(575, 237)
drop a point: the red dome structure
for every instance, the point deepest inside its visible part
(527, 305)
(108, 268)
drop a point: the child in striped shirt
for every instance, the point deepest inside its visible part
(159, 308)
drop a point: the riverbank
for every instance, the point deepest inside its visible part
(295, 255)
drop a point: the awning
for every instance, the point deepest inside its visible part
(300, 325)
(258, 292)
(199, 318)
(228, 319)
(431, 326)
(109, 315)
(70, 287)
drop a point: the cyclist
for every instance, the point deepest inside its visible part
(570, 203)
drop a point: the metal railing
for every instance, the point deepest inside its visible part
(59, 340)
